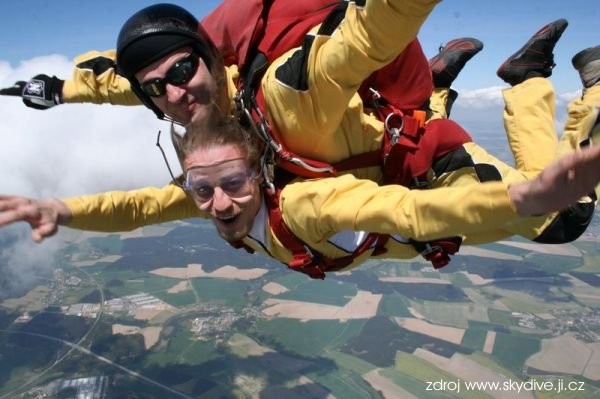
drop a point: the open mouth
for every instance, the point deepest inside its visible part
(227, 220)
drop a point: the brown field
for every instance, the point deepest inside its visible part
(450, 334)
(567, 354)
(362, 306)
(451, 314)
(562, 249)
(30, 302)
(592, 369)
(248, 386)
(149, 231)
(107, 259)
(476, 279)
(587, 295)
(415, 313)
(195, 270)
(243, 346)
(414, 280)
(274, 288)
(469, 370)
(488, 253)
(150, 334)
(179, 287)
(387, 388)
(490, 339)
(137, 233)
(150, 314)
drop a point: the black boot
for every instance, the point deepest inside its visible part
(535, 58)
(451, 59)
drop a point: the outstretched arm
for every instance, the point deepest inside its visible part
(113, 211)
(318, 209)
(95, 80)
(44, 216)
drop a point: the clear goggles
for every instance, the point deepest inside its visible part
(233, 177)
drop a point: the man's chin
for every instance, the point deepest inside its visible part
(231, 235)
(181, 119)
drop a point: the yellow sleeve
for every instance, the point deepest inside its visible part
(368, 38)
(95, 80)
(318, 209)
(127, 210)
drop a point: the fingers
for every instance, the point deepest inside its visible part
(15, 209)
(42, 215)
(560, 185)
(579, 174)
(14, 90)
(583, 170)
(43, 231)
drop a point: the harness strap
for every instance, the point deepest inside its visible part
(438, 251)
(408, 128)
(307, 260)
(400, 143)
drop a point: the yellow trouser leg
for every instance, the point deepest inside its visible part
(582, 113)
(529, 123)
(437, 102)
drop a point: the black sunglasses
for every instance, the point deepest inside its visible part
(180, 73)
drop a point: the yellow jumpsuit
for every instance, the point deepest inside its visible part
(326, 121)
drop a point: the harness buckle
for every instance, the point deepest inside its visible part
(305, 263)
(431, 249)
(436, 254)
(394, 131)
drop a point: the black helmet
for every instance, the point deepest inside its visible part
(155, 31)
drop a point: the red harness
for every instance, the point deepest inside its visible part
(243, 30)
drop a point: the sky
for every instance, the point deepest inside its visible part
(68, 27)
(76, 149)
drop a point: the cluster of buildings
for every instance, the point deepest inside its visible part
(76, 388)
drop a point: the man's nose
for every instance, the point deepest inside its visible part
(221, 201)
(174, 93)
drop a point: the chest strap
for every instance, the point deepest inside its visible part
(304, 258)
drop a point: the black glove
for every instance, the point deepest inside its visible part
(41, 92)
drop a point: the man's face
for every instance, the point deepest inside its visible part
(223, 186)
(181, 102)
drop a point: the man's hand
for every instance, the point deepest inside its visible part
(41, 92)
(43, 216)
(559, 185)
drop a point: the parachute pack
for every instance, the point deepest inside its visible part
(253, 33)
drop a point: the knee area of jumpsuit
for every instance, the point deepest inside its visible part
(568, 224)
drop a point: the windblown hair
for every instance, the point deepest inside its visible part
(217, 131)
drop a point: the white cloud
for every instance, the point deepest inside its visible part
(482, 98)
(564, 98)
(69, 150)
(75, 148)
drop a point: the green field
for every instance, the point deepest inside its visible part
(474, 338)
(229, 293)
(178, 299)
(304, 358)
(502, 317)
(394, 305)
(512, 350)
(311, 338)
(451, 314)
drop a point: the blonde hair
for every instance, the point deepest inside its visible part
(217, 131)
